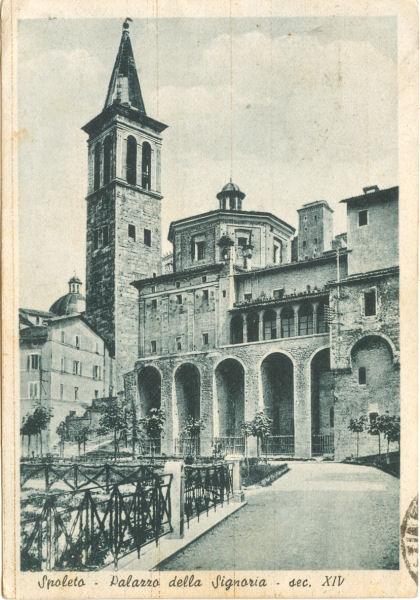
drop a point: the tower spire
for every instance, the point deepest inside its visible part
(124, 86)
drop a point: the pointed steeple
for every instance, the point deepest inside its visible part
(124, 86)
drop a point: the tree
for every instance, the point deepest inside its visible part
(63, 435)
(357, 426)
(260, 427)
(376, 427)
(391, 429)
(81, 438)
(28, 428)
(154, 423)
(41, 418)
(114, 420)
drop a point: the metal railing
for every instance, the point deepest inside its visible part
(278, 444)
(76, 476)
(206, 486)
(229, 445)
(151, 446)
(187, 446)
(322, 444)
(94, 528)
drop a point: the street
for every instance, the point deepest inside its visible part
(317, 516)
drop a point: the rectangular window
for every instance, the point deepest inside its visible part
(63, 365)
(63, 337)
(247, 297)
(153, 346)
(76, 367)
(178, 343)
(61, 391)
(97, 348)
(132, 232)
(34, 362)
(179, 298)
(200, 250)
(370, 303)
(304, 244)
(77, 341)
(242, 241)
(96, 393)
(76, 393)
(33, 389)
(177, 284)
(362, 375)
(95, 239)
(315, 240)
(154, 303)
(204, 279)
(205, 339)
(147, 237)
(224, 293)
(153, 289)
(277, 251)
(278, 293)
(205, 295)
(363, 218)
(96, 372)
(105, 235)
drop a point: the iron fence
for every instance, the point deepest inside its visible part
(187, 446)
(322, 444)
(95, 528)
(278, 444)
(151, 446)
(76, 476)
(206, 486)
(229, 445)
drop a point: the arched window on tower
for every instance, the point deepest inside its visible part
(146, 162)
(131, 160)
(107, 159)
(97, 167)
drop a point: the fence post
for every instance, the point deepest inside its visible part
(238, 493)
(176, 469)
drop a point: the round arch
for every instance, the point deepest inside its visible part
(277, 385)
(149, 381)
(371, 336)
(229, 376)
(187, 385)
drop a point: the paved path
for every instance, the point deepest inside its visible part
(317, 516)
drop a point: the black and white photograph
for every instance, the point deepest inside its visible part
(208, 305)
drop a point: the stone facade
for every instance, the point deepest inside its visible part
(289, 339)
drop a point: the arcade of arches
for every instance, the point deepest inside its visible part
(304, 398)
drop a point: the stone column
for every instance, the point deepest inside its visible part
(278, 323)
(176, 469)
(244, 328)
(261, 325)
(120, 167)
(206, 409)
(238, 493)
(315, 316)
(167, 401)
(296, 319)
(302, 409)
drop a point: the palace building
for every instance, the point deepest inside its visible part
(246, 314)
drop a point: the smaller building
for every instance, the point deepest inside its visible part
(64, 364)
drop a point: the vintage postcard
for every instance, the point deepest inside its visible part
(209, 285)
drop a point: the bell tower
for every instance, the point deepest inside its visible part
(123, 210)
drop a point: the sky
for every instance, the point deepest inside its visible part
(293, 109)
